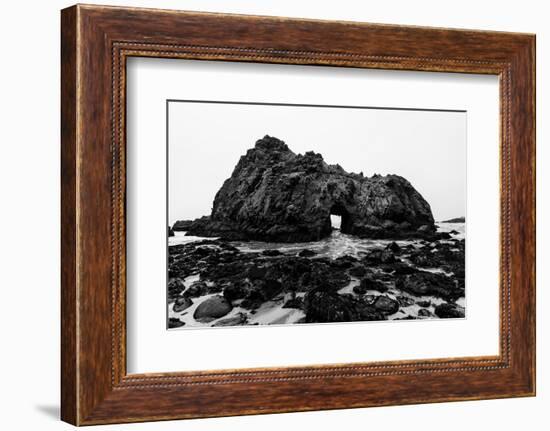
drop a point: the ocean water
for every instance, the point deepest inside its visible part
(336, 245)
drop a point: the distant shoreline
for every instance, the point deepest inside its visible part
(455, 220)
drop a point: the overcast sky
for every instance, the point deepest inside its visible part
(206, 140)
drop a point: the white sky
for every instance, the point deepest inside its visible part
(206, 140)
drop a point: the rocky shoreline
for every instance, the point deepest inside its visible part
(213, 283)
(280, 204)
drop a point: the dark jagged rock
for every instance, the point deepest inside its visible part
(386, 305)
(449, 311)
(175, 323)
(198, 288)
(170, 231)
(427, 283)
(394, 247)
(175, 288)
(182, 303)
(257, 272)
(369, 299)
(324, 307)
(405, 301)
(370, 283)
(306, 253)
(252, 279)
(440, 255)
(253, 300)
(358, 270)
(274, 194)
(380, 256)
(261, 291)
(364, 311)
(423, 312)
(237, 290)
(181, 225)
(344, 262)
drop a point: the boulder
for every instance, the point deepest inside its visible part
(393, 247)
(449, 311)
(370, 283)
(212, 308)
(175, 288)
(198, 288)
(237, 320)
(261, 291)
(405, 301)
(276, 195)
(175, 323)
(253, 300)
(344, 262)
(237, 290)
(324, 307)
(430, 284)
(384, 256)
(366, 312)
(386, 305)
(181, 304)
(423, 312)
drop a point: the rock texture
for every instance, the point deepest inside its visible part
(212, 308)
(181, 225)
(279, 196)
(323, 289)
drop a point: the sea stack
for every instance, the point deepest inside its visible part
(276, 195)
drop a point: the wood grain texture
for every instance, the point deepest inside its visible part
(69, 397)
(96, 41)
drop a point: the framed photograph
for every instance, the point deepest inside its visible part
(324, 214)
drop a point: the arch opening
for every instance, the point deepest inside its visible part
(339, 218)
(335, 221)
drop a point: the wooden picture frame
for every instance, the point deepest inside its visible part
(95, 43)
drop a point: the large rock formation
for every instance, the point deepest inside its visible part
(277, 195)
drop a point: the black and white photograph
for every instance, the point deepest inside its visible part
(281, 214)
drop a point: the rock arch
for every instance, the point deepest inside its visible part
(274, 194)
